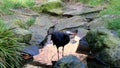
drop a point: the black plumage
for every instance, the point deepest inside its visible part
(60, 39)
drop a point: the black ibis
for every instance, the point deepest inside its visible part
(61, 39)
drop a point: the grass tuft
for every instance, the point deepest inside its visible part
(9, 48)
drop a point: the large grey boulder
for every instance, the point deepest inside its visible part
(69, 62)
(39, 29)
(104, 45)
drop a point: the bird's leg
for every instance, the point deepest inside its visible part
(58, 53)
(62, 51)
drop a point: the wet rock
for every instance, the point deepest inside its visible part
(104, 44)
(69, 62)
(52, 6)
(72, 22)
(39, 29)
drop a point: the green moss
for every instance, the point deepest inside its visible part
(30, 21)
(101, 39)
(110, 41)
(64, 65)
(48, 6)
(114, 24)
(95, 40)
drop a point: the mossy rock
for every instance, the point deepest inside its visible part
(54, 6)
(104, 43)
(24, 35)
(70, 61)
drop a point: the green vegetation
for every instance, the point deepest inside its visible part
(49, 6)
(113, 5)
(113, 8)
(6, 5)
(9, 48)
(114, 24)
(95, 2)
(65, 64)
